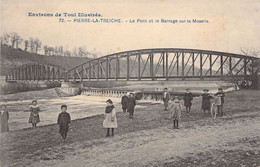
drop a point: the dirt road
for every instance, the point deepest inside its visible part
(164, 145)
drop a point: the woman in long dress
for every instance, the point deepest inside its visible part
(110, 121)
(34, 116)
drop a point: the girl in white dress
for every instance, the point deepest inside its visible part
(110, 121)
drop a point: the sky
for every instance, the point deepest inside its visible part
(232, 25)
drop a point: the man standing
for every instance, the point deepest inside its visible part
(220, 94)
(166, 98)
(188, 100)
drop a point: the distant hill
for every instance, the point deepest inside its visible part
(11, 57)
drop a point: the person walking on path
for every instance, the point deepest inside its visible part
(188, 100)
(4, 119)
(110, 121)
(166, 98)
(220, 104)
(205, 106)
(131, 105)
(34, 116)
(64, 121)
(124, 102)
(175, 111)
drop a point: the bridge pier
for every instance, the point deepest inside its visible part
(71, 88)
(72, 85)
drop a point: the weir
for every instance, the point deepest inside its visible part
(140, 95)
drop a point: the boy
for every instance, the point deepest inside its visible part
(64, 121)
(124, 101)
(166, 98)
(221, 95)
(213, 109)
(206, 101)
(188, 100)
(175, 111)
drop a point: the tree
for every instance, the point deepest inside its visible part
(75, 52)
(51, 50)
(5, 39)
(67, 53)
(26, 45)
(38, 45)
(15, 39)
(61, 50)
(82, 51)
(251, 68)
(18, 42)
(32, 45)
(46, 50)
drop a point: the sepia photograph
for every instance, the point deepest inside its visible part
(114, 83)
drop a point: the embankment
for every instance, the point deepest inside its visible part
(41, 94)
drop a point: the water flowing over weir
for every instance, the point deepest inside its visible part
(144, 95)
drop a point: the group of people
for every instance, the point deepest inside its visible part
(174, 105)
(34, 118)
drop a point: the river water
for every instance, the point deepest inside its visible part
(78, 106)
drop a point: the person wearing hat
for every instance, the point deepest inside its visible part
(64, 121)
(131, 105)
(175, 111)
(34, 116)
(206, 101)
(188, 100)
(221, 95)
(124, 101)
(166, 98)
(110, 121)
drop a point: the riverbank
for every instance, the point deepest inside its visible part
(147, 136)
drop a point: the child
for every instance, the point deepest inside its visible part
(34, 116)
(188, 100)
(4, 119)
(64, 121)
(214, 105)
(124, 101)
(175, 112)
(206, 101)
(166, 98)
(110, 121)
(221, 95)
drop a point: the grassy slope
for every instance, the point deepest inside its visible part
(27, 146)
(12, 57)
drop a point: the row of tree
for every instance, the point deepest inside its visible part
(34, 45)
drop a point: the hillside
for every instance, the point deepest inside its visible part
(13, 57)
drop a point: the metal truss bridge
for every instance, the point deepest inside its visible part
(145, 64)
